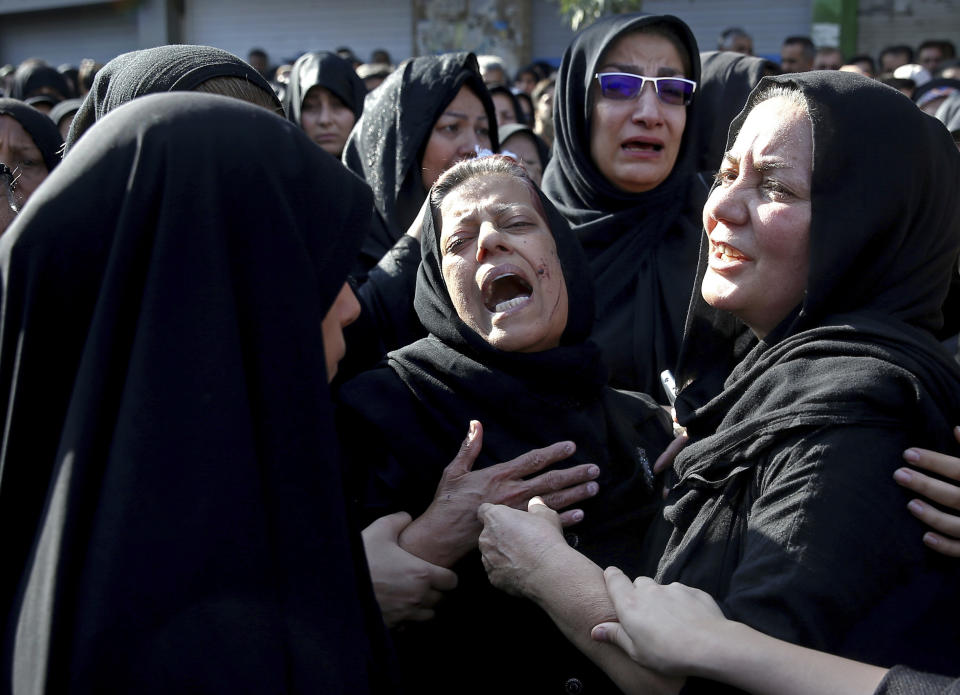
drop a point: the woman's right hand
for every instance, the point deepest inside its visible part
(449, 528)
(947, 540)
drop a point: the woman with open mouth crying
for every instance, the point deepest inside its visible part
(505, 295)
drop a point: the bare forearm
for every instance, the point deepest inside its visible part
(570, 588)
(439, 544)
(762, 665)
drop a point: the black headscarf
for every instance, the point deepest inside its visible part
(177, 68)
(323, 69)
(524, 401)
(642, 247)
(65, 108)
(505, 90)
(388, 141)
(43, 131)
(171, 486)
(508, 131)
(726, 80)
(879, 270)
(31, 76)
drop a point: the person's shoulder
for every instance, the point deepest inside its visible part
(375, 388)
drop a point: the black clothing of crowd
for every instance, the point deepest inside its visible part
(184, 490)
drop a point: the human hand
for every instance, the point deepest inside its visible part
(517, 546)
(665, 460)
(947, 541)
(449, 528)
(406, 587)
(660, 627)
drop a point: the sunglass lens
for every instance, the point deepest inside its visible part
(674, 91)
(619, 86)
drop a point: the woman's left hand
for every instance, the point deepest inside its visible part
(947, 540)
(518, 547)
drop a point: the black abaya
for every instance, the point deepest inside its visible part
(786, 510)
(171, 488)
(174, 68)
(642, 247)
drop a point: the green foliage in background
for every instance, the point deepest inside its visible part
(580, 13)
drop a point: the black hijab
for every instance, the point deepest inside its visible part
(642, 247)
(388, 141)
(177, 68)
(33, 75)
(324, 69)
(505, 90)
(65, 108)
(171, 487)
(508, 131)
(43, 130)
(879, 270)
(726, 80)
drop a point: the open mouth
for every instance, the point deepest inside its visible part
(725, 252)
(504, 292)
(637, 145)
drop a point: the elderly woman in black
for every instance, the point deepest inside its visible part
(623, 174)
(325, 98)
(784, 508)
(505, 294)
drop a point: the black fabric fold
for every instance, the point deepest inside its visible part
(175, 68)
(642, 247)
(171, 481)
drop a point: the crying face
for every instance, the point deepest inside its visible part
(500, 264)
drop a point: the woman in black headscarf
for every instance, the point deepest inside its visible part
(622, 173)
(526, 370)
(785, 509)
(177, 68)
(325, 98)
(29, 146)
(34, 77)
(389, 145)
(171, 490)
(520, 140)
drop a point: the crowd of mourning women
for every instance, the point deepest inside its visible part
(347, 378)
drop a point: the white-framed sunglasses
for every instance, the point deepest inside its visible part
(677, 91)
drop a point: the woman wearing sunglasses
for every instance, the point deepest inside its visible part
(623, 173)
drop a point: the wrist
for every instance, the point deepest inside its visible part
(715, 652)
(437, 540)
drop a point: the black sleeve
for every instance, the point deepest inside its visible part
(833, 559)
(903, 681)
